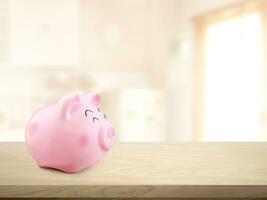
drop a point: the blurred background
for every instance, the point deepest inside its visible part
(167, 70)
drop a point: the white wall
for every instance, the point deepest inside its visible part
(44, 32)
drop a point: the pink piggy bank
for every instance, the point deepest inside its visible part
(69, 135)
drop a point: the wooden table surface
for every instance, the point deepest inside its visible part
(144, 170)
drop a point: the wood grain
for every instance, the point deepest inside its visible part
(144, 170)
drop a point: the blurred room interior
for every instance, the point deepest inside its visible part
(167, 70)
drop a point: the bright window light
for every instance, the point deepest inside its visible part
(232, 88)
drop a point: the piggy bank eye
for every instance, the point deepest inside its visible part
(95, 118)
(88, 111)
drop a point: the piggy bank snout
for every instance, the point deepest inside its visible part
(106, 137)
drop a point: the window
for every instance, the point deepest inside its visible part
(229, 75)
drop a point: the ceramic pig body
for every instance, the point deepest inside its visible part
(69, 135)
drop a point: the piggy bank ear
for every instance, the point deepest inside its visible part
(68, 104)
(93, 98)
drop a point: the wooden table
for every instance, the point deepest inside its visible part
(144, 170)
